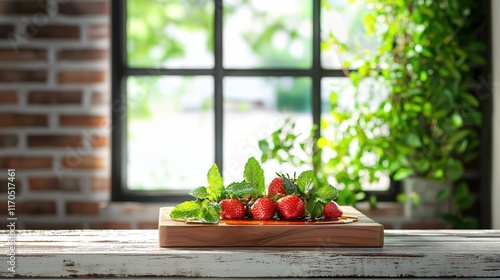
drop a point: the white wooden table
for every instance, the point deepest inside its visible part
(135, 253)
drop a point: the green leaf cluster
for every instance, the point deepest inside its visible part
(206, 207)
(426, 124)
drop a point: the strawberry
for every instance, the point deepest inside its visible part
(332, 210)
(262, 209)
(232, 209)
(290, 207)
(276, 187)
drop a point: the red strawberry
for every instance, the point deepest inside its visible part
(232, 209)
(276, 187)
(290, 207)
(332, 210)
(262, 209)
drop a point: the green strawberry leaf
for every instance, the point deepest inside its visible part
(200, 193)
(186, 210)
(326, 194)
(289, 186)
(210, 212)
(241, 190)
(254, 175)
(215, 183)
(314, 208)
(304, 182)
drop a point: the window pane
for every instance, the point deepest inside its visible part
(344, 20)
(267, 34)
(371, 93)
(170, 132)
(253, 109)
(170, 33)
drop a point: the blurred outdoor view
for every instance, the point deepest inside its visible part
(171, 119)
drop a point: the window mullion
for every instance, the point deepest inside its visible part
(316, 67)
(218, 77)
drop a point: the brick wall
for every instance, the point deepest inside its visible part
(54, 116)
(54, 120)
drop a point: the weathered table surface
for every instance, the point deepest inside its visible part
(135, 253)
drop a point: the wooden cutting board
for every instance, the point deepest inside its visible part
(362, 233)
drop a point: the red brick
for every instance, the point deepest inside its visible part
(54, 141)
(83, 55)
(8, 140)
(99, 141)
(5, 30)
(29, 7)
(3, 206)
(36, 207)
(55, 97)
(98, 99)
(98, 31)
(54, 184)
(22, 55)
(17, 75)
(5, 182)
(53, 226)
(65, 32)
(81, 77)
(67, 120)
(110, 225)
(28, 162)
(86, 208)
(8, 97)
(85, 8)
(100, 184)
(23, 120)
(85, 162)
(148, 225)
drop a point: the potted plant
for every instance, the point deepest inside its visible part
(423, 128)
(426, 55)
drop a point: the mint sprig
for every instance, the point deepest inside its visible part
(200, 193)
(206, 207)
(241, 190)
(186, 210)
(305, 180)
(254, 174)
(325, 194)
(215, 184)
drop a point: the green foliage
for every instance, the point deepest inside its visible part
(216, 185)
(254, 174)
(207, 209)
(241, 190)
(424, 125)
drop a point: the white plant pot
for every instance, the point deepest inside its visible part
(427, 189)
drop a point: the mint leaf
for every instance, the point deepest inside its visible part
(314, 208)
(304, 182)
(216, 185)
(200, 193)
(186, 210)
(254, 175)
(289, 186)
(210, 212)
(326, 194)
(241, 190)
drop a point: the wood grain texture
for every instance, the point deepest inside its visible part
(136, 254)
(363, 233)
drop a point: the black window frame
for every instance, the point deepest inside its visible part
(120, 72)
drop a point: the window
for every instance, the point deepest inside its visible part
(197, 82)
